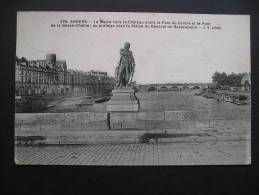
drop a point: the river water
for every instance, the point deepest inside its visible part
(161, 101)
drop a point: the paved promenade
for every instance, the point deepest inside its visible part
(185, 153)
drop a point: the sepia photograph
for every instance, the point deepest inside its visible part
(132, 89)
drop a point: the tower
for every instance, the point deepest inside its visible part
(51, 60)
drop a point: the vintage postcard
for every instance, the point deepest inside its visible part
(129, 88)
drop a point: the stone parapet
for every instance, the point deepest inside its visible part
(87, 121)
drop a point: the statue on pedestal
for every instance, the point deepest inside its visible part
(124, 97)
(126, 67)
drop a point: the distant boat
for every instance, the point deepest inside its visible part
(100, 100)
(87, 103)
(198, 93)
(210, 96)
(228, 99)
(241, 100)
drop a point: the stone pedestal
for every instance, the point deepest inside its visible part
(123, 99)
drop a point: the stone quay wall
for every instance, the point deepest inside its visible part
(125, 127)
(92, 121)
(89, 121)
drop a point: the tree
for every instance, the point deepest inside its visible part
(23, 59)
(215, 77)
(220, 78)
(233, 79)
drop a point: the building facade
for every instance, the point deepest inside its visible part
(50, 78)
(246, 82)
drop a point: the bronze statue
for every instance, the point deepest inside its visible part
(125, 69)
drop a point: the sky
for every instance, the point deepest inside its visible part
(161, 55)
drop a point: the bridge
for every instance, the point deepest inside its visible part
(173, 86)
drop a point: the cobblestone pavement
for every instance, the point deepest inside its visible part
(187, 153)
